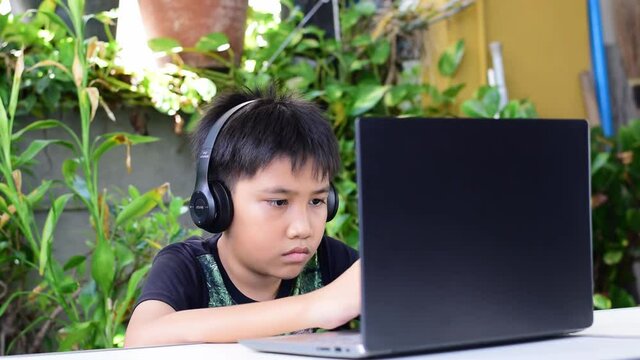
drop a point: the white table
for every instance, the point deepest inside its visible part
(615, 334)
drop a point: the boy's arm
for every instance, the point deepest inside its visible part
(156, 323)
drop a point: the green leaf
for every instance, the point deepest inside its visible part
(511, 110)
(57, 20)
(450, 60)
(601, 302)
(600, 161)
(527, 110)
(103, 266)
(36, 125)
(633, 219)
(164, 44)
(48, 229)
(206, 88)
(381, 52)
(434, 93)
(365, 8)
(307, 44)
(68, 285)
(15, 87)
(114, 139)
(296, 83)
(334, 92)
(35, 147)
(142, 205)
(358, 64)
(336, 225)
(452, 92)
(75, 335)
(132, 288)
(490, 100)
(12, 297)
(395, 95)
(107, 17)
(124, 256)
(74, 261)
(74, 181)
(42, 84)
(367, 96)
(349, 18)
(613, 257)
(36, 194)
(133, 192)
(212, 42)
(69, 167)
(474, 108)
(620, 298)
(77, 11)
(361, 40)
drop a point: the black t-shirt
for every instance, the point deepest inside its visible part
(189, 274)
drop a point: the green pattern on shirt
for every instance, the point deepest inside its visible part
(310, 279)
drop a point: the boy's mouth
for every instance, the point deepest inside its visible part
(298, 254)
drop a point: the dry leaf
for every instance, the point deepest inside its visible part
(4, 219)
(625, 157)
(104, 208)
(19, 65)
(178, 124)
(17, 179)
(91, 47)
(94, 99)
(106, 108)
(50, 63)
(598, 199)
(78, 73)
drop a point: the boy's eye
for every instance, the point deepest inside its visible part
(277, 203)
(317, 202)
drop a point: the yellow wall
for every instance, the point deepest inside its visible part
(545, 46)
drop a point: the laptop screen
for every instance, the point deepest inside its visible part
(473, 230)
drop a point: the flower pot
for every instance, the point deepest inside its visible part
(188, 20)
(93, 27)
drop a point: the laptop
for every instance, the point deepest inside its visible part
(472, 232)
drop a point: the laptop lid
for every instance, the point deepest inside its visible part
(473, 230)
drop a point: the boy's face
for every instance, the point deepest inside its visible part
(279, 219)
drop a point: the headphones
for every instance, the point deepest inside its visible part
(210, 206)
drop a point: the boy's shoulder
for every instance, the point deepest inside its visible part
(335, 257)
(193, 246)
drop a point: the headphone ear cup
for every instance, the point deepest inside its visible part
(202, 208)
(224, 207)
(333, 202)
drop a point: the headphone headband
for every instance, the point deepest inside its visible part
(206, 152)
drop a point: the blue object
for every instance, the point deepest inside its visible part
(599, 61)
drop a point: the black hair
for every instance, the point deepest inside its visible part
(276, 125)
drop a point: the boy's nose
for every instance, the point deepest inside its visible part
(300, 226)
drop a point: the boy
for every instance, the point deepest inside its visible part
(272, 271)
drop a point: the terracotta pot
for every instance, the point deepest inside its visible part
(188, 20)
(93, 27)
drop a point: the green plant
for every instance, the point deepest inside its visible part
(615, 172)
(486, 104)
(68, 307)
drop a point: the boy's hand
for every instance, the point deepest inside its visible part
(338, 302)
